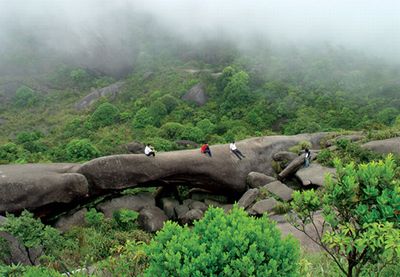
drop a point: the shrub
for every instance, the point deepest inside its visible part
(361, 215)
(231, 244)
(25, 97)
(94, 218)
(80, 150)
(142, 118)
(105, 115)
(125, 219)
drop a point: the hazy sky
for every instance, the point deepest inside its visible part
(368, 25)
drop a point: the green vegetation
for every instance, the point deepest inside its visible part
(361, 216)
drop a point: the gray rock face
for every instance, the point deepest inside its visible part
(284, 156)
(197, 95)
(280, 190)
(32, 186)
(66, 222)
(210, 202)
(191, 216)
(220, 173)
(130, 202)
(257, 179)
(201, 195)
(248, 198)
(110, 91)
(135, 147)
(198, 205)
(306, 243)
(264, 206)
(314, 174)
(152, 219)
(35, 186)
(168, 206)
(384, 146)
(292, 167)
(181, 210)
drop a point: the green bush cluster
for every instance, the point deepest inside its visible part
(231, 244)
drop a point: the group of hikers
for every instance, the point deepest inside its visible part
(205, 149)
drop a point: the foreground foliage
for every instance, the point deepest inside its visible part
(361, 209)
(219, 244)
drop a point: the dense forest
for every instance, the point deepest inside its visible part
(157, 88)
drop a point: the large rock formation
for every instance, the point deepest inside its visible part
(110, 91)
(384, 146)
(33, 186)
(314, 174)
(196, 94)
(36, 185)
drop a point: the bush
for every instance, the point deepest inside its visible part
(231, 244)
(361, 215)
(25, 97)
(81, 150)
(94, 218)
(105, 115)
(125, 219)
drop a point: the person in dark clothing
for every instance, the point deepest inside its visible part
(205, 149)
(236, 151)
(307, 157)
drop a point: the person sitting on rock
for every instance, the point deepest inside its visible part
(307, 157)
(236, 151)
(149, 151)
(205, 149)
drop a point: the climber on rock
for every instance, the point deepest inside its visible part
(233, 148)
(149, 151)
(205, 149)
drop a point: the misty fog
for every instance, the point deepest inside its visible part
(113, 34)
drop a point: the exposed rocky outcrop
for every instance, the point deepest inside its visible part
(314, 174)
(248, 198)
(280, 190)
(197, 95)
(257, 179)
(152, 219)
(168, 206)
(134, 147)
(264, 206)
(386, 146)
(32, 186)
(130, 202)
(110, 91)
(68, 221)
(191, 216)
(352, 138)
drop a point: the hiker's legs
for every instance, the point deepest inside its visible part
(151, 154)
(208, 152)
(237, 154)
(306, 162)
(240, 153)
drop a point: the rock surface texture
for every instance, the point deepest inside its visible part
(385, 146)
(314, 174)
(197, 95)
(32, 186)
(110, 91)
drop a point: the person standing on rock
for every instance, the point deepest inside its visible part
(307, 157)
(149, 151)
(236, 151)
(205, 149)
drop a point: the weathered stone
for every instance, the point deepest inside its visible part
(131, 202)
(292, 167)
(280, 190)
(152, 219)
(257, 179)
(264, 206)
(284, 156)
(314, 174)
(31, 186)
(306, 243)
(227, 207)
(196, 94)
(187, 202)
(198, 205)
(110, 91)
(135, 147)
(213, 203)
(248, 198)
(191, 216)
(202, 195)
(66, 222)
(385, 146)
(169, 205)
(352, 138)
(181, 210)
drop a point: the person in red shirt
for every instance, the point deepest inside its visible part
(205, 149)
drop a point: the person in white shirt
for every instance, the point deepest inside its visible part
(236, 151)
(307, 157)
(149, 151)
